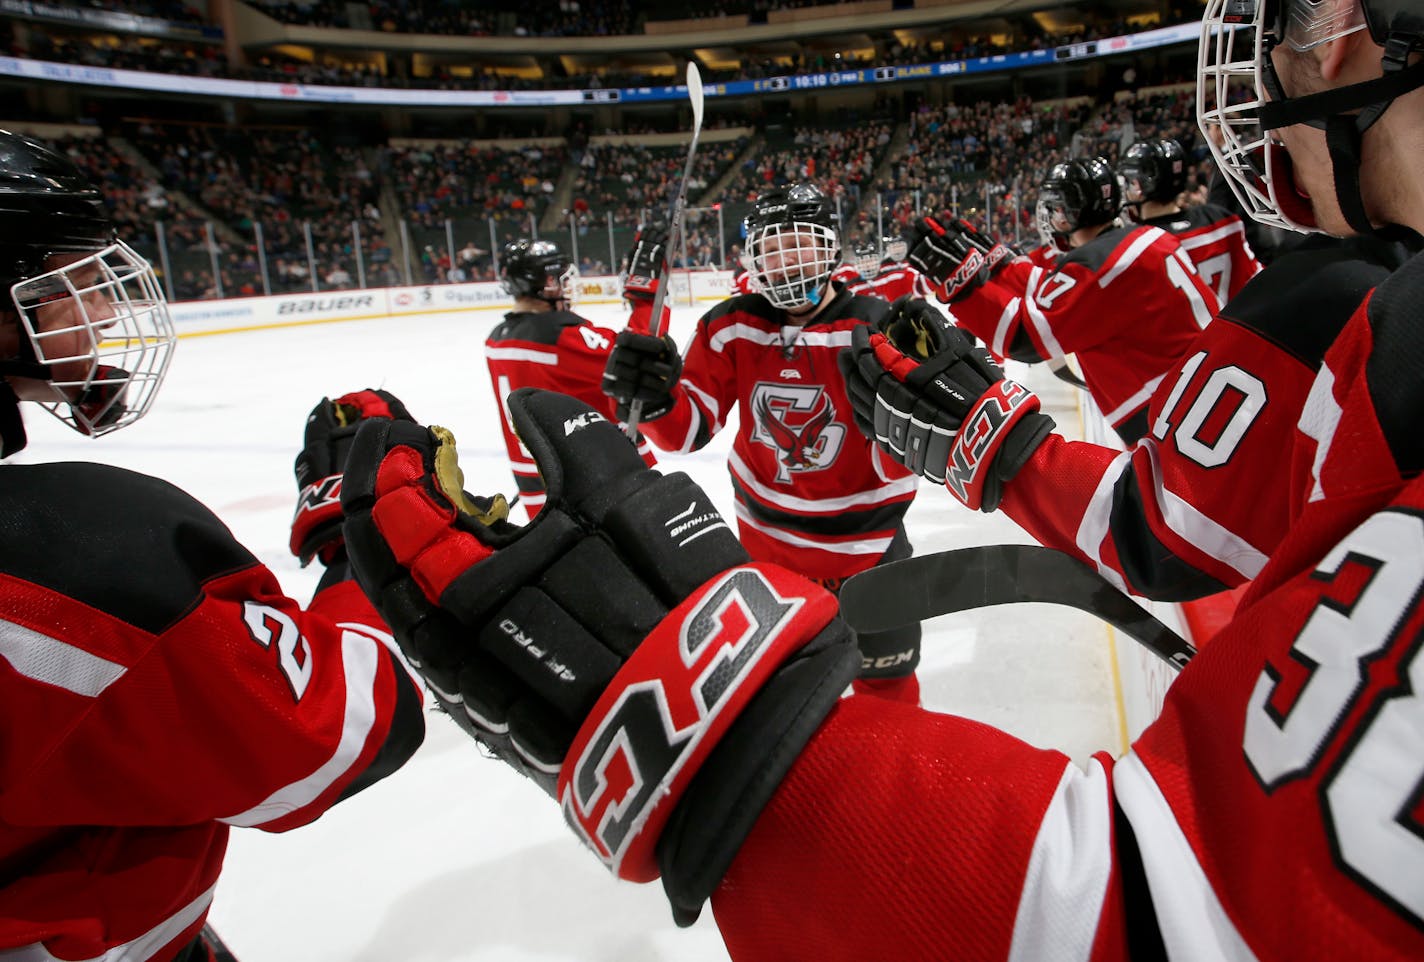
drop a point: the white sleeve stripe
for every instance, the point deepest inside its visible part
(135, 950)
(1130, 256)
(1192, 243)
(1193, 923)
(1203, 533)
(1061, 905)
(44, 659)
(1039, 320)
(521, 354)
(1093, 527)
(359, 658)
(1143, 394)
(1319, 419)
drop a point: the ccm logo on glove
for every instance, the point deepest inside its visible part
(731, 637)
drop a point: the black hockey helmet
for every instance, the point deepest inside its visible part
(1077, 194)
(47, 206)
(1153, 170)
(793, 245)
(537, 269)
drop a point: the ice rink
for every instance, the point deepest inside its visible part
(456, 858)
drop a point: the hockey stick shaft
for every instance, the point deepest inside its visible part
(915, 589)
(675, 218)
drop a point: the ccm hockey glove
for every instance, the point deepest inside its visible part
(620, 649)
(645, 263)
(933, 399)
(955, 257)
(331, 427)
(642, 368)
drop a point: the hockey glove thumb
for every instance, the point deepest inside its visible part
(645, 263)
(642, 368)
(620, 649)
(331, 426)
(934, 401)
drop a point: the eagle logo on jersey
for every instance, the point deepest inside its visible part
(799, 423)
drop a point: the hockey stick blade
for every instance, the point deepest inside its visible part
(903, 592)
(675, 217)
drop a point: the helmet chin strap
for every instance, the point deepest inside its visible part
(1344, 131)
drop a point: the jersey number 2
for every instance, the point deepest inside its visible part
(267, 625)
(1371, 794)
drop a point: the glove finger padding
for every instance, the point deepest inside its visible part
(944, 410)
(326, 441)
(605, 648)
(645, 262)
(643, 368)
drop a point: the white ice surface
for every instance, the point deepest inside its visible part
(454, 857)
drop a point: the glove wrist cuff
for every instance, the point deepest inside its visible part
(696, 672)
(984, 430)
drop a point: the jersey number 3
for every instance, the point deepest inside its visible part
(1371, 792)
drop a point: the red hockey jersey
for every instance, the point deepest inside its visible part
(1271, 812)
(158, 688)
(1215, 240)
(1126, 303)
(1167, 519)
(898, 280)
(557, 351)
(812, 493)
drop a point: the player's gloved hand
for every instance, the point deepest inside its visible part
(642, 368)
(645, 262)
(955, 257)
(617, 649)
(933, 399)
(996, 253)
(331, 427)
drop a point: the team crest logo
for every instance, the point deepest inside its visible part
(799, 424)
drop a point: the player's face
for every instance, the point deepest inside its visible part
(1311, 172)
(66, 323)
(792, 256)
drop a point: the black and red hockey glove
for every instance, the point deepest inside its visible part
(620, 649)
(955, 257)
(642, 368)
(645, 263)
(935, 401)
(330, 429)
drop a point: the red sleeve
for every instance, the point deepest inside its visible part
(247, 710)
(904, 834)
(1197, 505)
(704, 396)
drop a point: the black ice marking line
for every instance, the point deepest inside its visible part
(675, 217)
(903, 592)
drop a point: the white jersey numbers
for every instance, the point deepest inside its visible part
(266, 625)
(1372, 792)
(1213, 425)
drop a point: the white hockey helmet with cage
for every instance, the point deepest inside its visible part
(1240, 100)
(95, 335)
(793, 246)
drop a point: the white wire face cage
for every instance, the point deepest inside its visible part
(1051, 219)
(102, 326)
(1230, 91)
(792, 263)
(867, 262)
(567, 286)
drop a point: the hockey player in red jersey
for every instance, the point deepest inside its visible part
(157, 686)
(543, 343)
(1154, 175)
(896, 279)
(1091, 305)
(811, 493)
(855, 273)
(1271, 812)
